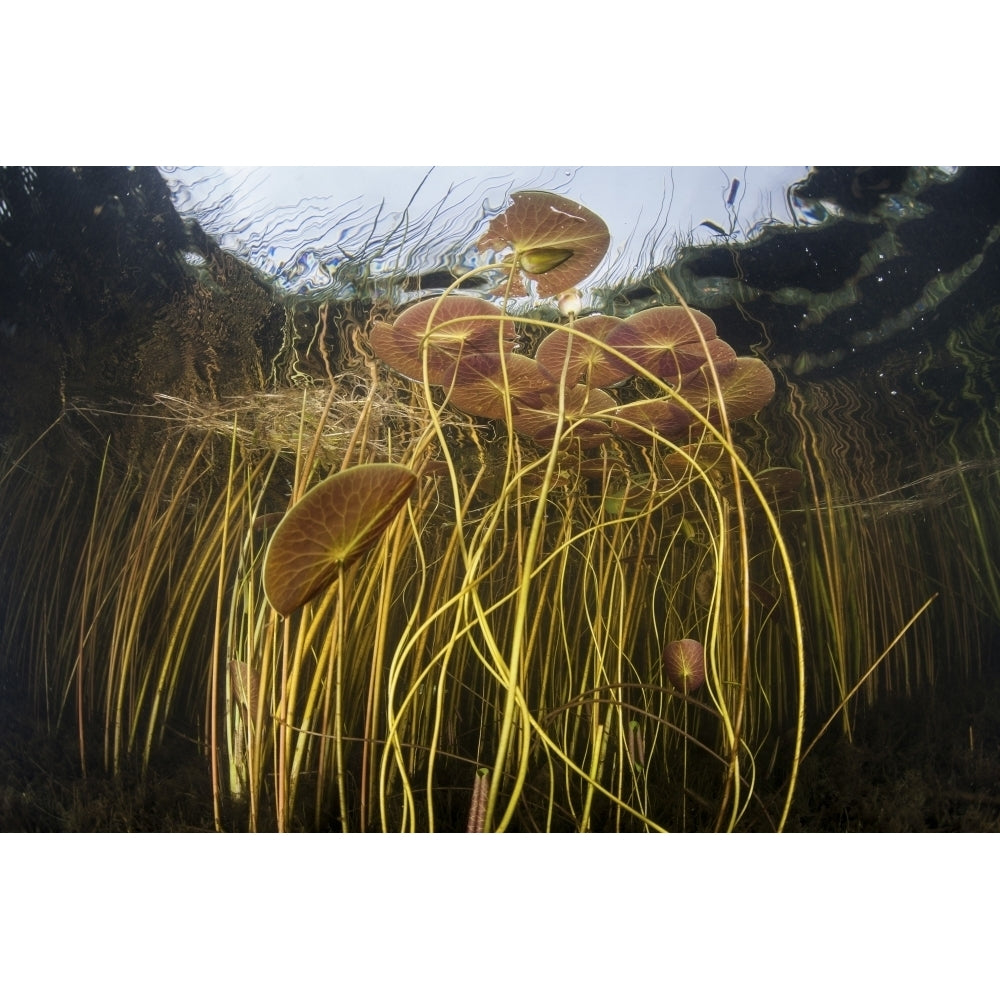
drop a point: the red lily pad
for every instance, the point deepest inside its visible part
(684, 662)
(588, 361)
(448, 329)
(664, 340)
(332, 526)
(557, 242)
(747, 387)
(538, 417)
(481, 383)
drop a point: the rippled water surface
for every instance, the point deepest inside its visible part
(312, 228)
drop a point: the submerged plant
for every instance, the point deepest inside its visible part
(333, 525)
(684, 662)
(577, 396)
(431, 339)
(556, 242)
(481, 605)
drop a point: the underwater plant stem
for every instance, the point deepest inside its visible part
(375, 678)
(829, 581)
(599, 750)
(684, 771)
(850, 694)
(526, 570)
(281, 747)
(218, 632)
(84, 602)
(989, 558)
(338, 702)
(311, 623)
(305, 470)
(740, 468)
(725, 435)
(360, 429)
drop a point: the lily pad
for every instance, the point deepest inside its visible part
(449, 330)
(684, 662)
(557, 242)
(539, 417)
(588, 361)
(747, 387)
(480, 383)
(330, 528)
(664, 340)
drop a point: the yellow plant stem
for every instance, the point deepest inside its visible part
(338, 709)
(218, 633)
(89, 568)
(514, 664)
(394, 544)
(598, 748)
(854, 690)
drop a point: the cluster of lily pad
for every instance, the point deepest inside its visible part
(467, 345)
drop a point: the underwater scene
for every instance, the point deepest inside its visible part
(472, 518)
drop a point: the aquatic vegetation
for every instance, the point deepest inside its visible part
(556, 242)
(584, 359)
(441, 333)
(667, 341)
(460, 604)
(441, 587)
(684, 662)
(333, 525)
